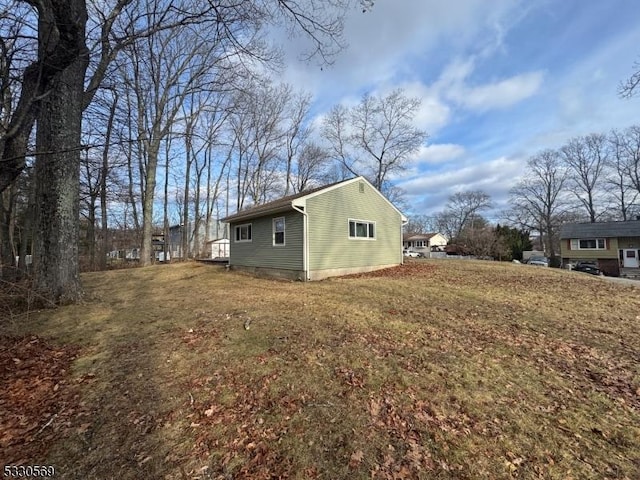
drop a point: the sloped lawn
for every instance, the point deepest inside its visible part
(436, 369)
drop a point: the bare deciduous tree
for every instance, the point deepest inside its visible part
(586, 158)
(57, 168)
(267, 126)
(376, 137)
(309, 167)
(538, 201)
(628, 88)
(52, 90)
(460, 212)
(620, 166)
(420, 224)
(295, 134)
(632, 155)
(166, 70)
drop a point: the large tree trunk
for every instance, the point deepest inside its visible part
(165, 208)
(57, 176)
(7, 254)
(26, 240)
(147, 205)
(104, 176)
(186, 251)
(91, 232)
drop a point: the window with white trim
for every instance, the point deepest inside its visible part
(362, 229)
(243, 233)
(588, 244)
(278, 231)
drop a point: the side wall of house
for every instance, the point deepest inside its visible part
(629, 242)
(610, 252)
(331, 249)
(260, 252)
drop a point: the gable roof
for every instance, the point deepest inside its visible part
(287, 203)
(600, 229)
(408, 237)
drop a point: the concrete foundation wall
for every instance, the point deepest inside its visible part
(298, 275)
(338, 272)
(264, 272)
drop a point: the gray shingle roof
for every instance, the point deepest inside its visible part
(279, 205)
(601, 229)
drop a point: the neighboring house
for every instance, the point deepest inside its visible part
(339, 229)
(424, 242)
(613, 245)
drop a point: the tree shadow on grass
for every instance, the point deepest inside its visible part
(114, 427)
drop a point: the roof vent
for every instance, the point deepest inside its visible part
(361, 187)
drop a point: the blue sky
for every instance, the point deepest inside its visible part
(498, 83)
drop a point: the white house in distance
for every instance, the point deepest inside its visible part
(423, 242)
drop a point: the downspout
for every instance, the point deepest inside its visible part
(305, 241)
(402, 224)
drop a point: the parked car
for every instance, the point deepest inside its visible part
(587, 267)
(411, 253)
(538, 261)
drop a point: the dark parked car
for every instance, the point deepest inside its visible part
(587, 267)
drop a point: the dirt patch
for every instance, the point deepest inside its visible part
(38, 397)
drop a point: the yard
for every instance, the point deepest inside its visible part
(436, 369)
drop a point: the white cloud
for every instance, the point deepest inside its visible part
(428, 193)
(394, 41)
(453, 85)
(476, 111)
(501, 94)
(439, 153)
(470, 177)
(433, 113)
(455, 74)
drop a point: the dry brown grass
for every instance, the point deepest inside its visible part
(445, 369)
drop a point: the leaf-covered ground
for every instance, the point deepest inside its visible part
(36, 400)
(435, 369)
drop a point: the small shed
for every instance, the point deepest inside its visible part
(219, 248)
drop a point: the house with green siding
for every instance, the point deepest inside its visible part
(613, 246)
(338, 229)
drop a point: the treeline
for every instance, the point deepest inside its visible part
(132, 116)
(590, 178)
(469, 232)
